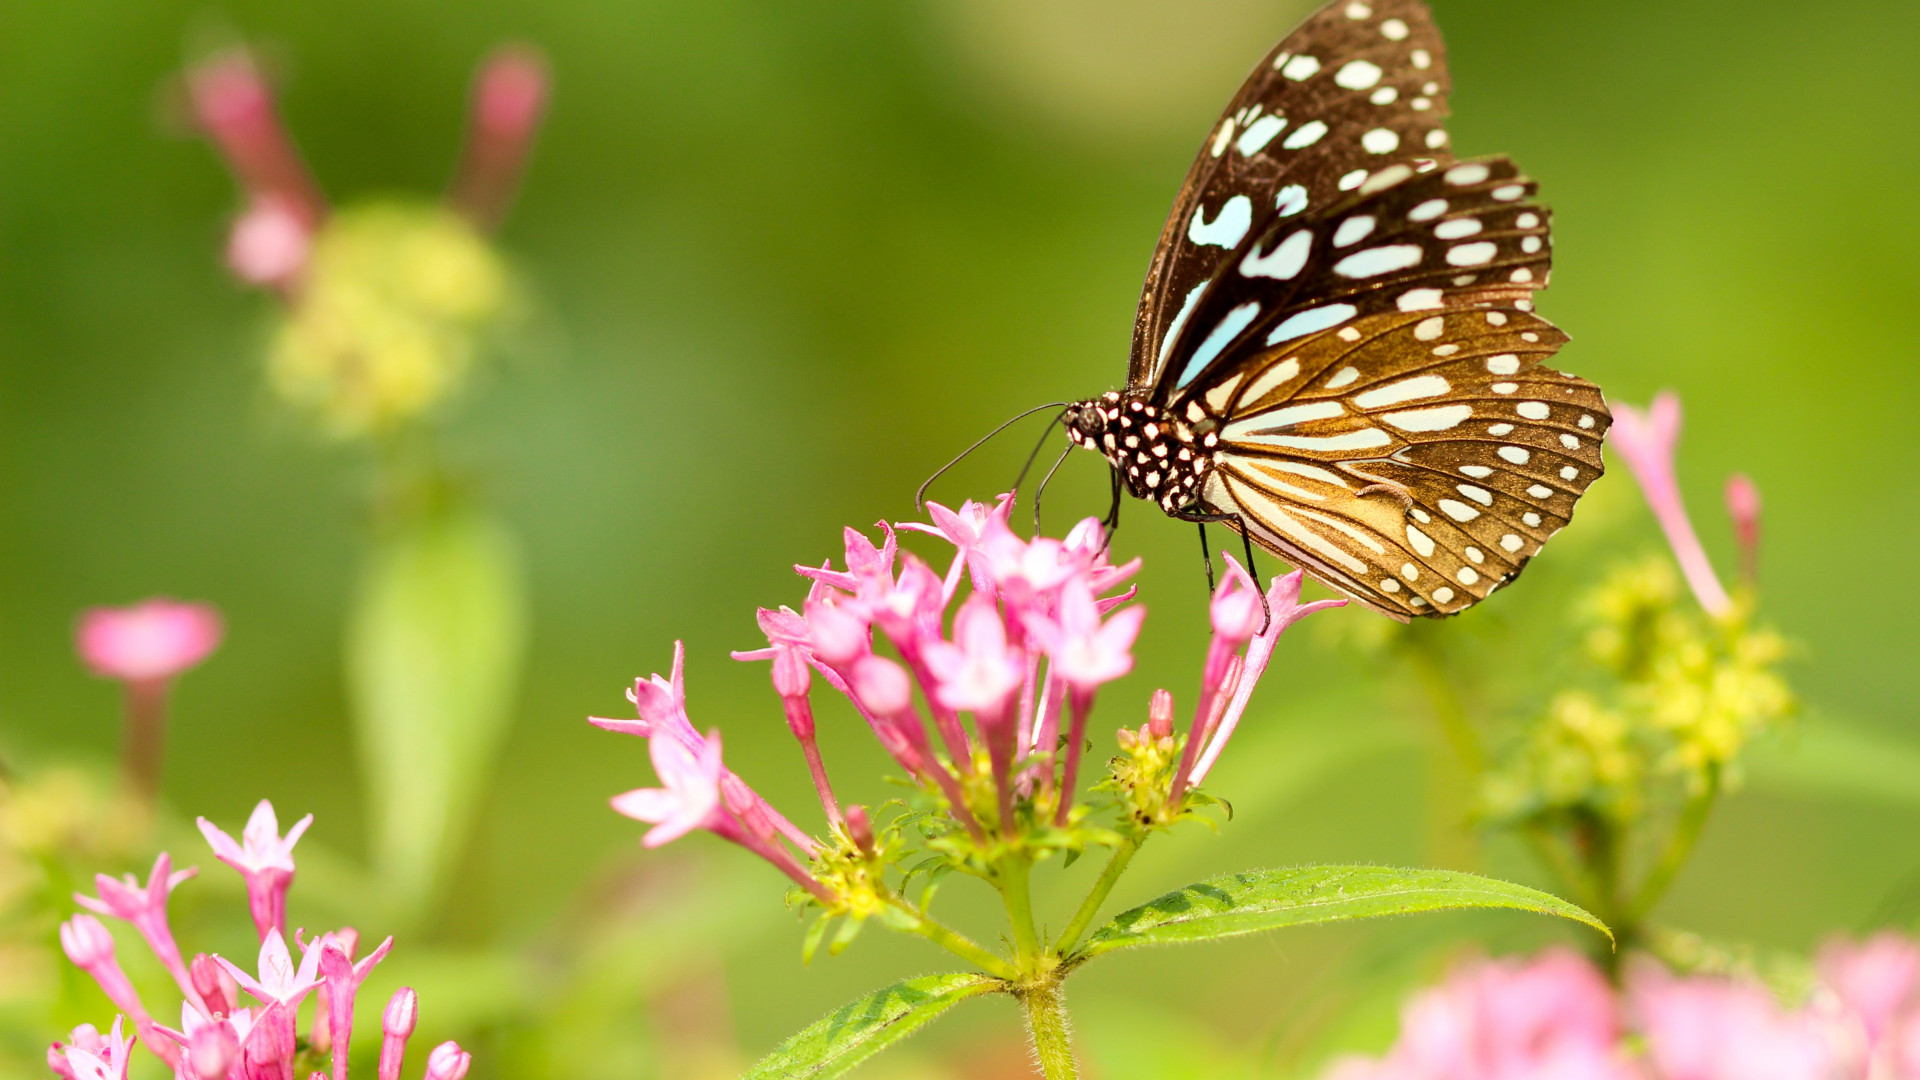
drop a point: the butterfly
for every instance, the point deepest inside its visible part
(1336, 353)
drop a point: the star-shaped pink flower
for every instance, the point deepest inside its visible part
(146, 908)
(265, 859)
(689, 795)
(1085, 651)
(279, 982)
(977, 671)
(92, 1056)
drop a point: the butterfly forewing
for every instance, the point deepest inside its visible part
(1405, 241)
(1359, 87)
(1415, 460)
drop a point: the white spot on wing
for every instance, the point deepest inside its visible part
(1364, 439)
(1353, 230)
(1180, 320)
(1471, 173)
(1428, 210)
(1381, 260)
(1533, 410)
(1458, 510)
(1271, 421)
(1357, 75)
(1420, 299)
(1259, 134)
(1519, 455)
(1290, 200)
(1386, 95)
(1477, 254)
(1283, 262)
(1380, 141)
(1443, 595)
(1353, 179)
(1405, 390)
(1300, 67)
(1272, 379)
(1478, 472)
(1504, 364)
(1457, 229)
(1438, 418)
(1511, 542)
(1467, 575)
(1477, 494)
(1422, 59)
(1540, 491)
(1394, 30)
(1346, 376)
(1226, 230)
(1220, 140)
(1429, 329)
(1306, 134)
(1311, 321)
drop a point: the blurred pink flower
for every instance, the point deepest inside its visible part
(1647, 441)
(1706, 1028)
(269, 244)
(509, 95)
(689, 795)
(1877, 983)
(151, 641)
(234, 106)
(264, 859)
(1743, 506)
(279, 982)
(88, 944)
(92, 1056)
(146, 908)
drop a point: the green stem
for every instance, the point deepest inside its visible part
(1013, 888)
(1685, 834)
(1448, 709)
(1122, 855)
(1047, 1025)
(1572, 875)
(957, 943)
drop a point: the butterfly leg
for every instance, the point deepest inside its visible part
(1111, 523)
(1205, 518)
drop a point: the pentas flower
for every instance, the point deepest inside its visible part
(93, 1056)
(1743, 506)
(217, 1040)
(265, 859)
(152, 641)
(966, 530)
(1711, 1028)
(1085, 651)
(1647, 441)
(1877, 985)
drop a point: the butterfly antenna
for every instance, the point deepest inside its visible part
(920, 496)
(1035, 452)
(1044, 481)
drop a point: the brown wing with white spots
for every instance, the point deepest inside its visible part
(1413, 460)
(1359, 86)
(1459, 236)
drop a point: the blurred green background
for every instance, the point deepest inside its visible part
(790, 256)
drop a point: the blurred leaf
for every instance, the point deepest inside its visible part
(1299, 896)
(1824, 758)
(434, 647)
(860, 1029)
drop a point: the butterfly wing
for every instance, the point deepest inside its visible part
(1413, 460)
(1359, 87)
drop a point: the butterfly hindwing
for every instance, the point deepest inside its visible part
(1357, 88)
(1415, 460)
(1405, 241)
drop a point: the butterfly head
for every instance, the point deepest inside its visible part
(1158, 458)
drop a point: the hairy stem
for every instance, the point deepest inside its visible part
(1047, 1026)
(1013, 888)
(954, 941)
(1116, 865)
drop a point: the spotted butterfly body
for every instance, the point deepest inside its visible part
(1336, 352)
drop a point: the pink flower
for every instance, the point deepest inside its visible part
(1876, 980)
(865, 562)
(508, 98)
(1083, 650)
(1549, 1018)
(965, 529)
(977, 671)
(1283, 602)
(265, 859)
(234, 106)
(396, 1027)
(1086, 546)
(211, 1044)
(91, 1056)
(88, 944)
(343, 978)
(280, 982)
(146, 908)
(149, 642)
(269, 244)
(1720, 1029)
(448, 1062)
(1647, 440)
(1743, 505)
(689, 797)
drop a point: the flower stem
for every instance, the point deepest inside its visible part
(1685, 834)
(1047, 1026)
(1116, 865)
(1013, 888)
(145, 737)
(956, 943)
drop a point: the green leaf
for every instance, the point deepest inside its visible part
(1299, 896)
(860, 1029)
(435, 642)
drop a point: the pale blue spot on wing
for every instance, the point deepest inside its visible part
(1224, 332)
(1312, 321)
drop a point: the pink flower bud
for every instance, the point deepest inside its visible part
(270, 1046)
(154, 640)
(211, 1051)
(57, 1061)
(1160, 715)
(860, 828)
(838, 636)
(86, 942)
(1743, 505)
(213, 984)
(269, 244)
(396, 1025)
(882, 686)
(1235, 609)
(448, 1062)
(792, 677)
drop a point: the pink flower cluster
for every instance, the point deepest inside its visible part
(218, 1038)
(270, 242)
(1555, 1017)
(1023, 654)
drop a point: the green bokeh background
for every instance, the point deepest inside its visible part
(790, 256)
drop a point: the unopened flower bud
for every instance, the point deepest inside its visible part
(269, 244)
(396, 1024)
(1743, 505)
(838, 636)
(448, 1062)
(57, 1061)
(271, 1044)
(860, 828)
(211, 1050)
(212, 983)
(882, 686)
(1160, 715)
(86, 942)
(792, 677)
